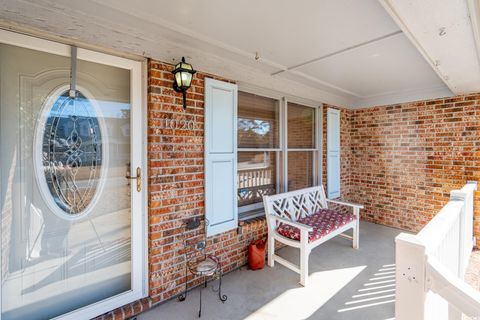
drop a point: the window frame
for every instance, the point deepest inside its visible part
(281, 153)
(317, 156)
(243, 211)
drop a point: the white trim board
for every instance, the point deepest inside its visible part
(474, 10)
(402, 97)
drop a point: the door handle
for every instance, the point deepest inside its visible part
(138, 177)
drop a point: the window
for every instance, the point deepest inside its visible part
(301, 146)
(258, 122)
(277, 149)
(258, 128)
(71, 154)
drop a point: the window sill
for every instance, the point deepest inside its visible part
(251, 220)
(247, 224)
(245, 216)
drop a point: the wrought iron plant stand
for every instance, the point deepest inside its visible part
(201, 264)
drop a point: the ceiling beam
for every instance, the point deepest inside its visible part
(402, 97)
(474, 10)
(338, 52)
(442, 32)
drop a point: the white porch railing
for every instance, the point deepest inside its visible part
(253, 184)
(430, 266)
(253, 177)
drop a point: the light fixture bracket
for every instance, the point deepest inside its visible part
(72, 93)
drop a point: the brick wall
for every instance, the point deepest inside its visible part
(405, 159)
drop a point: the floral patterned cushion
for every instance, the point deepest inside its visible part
(323, 222)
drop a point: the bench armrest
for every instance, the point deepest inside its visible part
(342, 203)
(298, 225)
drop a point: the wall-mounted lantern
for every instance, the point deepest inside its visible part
(183, 74)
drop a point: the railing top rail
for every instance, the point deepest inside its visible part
(254, 169)
(470, 186)
(467, 190)
(435, 231)
(450, 287)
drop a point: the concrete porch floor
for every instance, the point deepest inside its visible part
(344, 284)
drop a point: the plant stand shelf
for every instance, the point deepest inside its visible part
(206, 266)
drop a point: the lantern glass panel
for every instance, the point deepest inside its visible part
(178, 79)
(187, 66)
(186, 79)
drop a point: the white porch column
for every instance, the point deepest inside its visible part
(410, 278)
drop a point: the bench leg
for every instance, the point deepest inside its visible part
(356, 230)
(271, 251)
(355, 240)
(304, 253)
(303, 267)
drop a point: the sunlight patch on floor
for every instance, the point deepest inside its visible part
(307, 300)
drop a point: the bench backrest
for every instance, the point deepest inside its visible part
(295, 204)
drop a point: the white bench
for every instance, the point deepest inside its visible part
(301, 219)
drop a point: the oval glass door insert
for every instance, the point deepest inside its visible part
(71, 155)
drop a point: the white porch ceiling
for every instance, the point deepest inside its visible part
(443, 33)
(343, 52)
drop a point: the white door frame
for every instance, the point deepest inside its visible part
(138, 149)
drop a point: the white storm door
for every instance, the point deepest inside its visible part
(72, 224)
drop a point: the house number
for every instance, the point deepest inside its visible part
(177, 124)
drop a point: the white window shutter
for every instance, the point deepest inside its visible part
(220, 156)
(333, 153)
